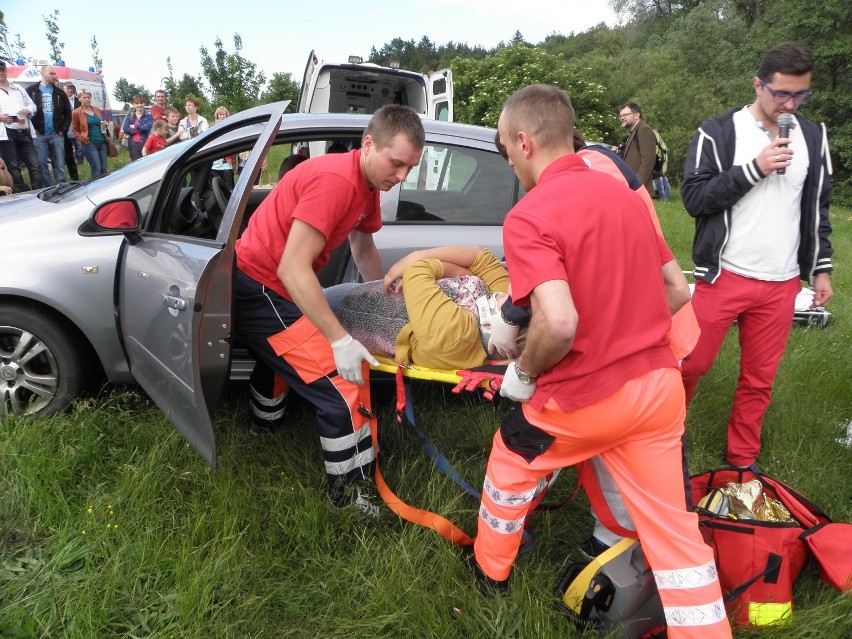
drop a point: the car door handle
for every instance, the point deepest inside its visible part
(171, 301)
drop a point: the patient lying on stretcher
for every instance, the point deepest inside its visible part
(438, 308)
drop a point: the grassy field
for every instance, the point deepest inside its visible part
(112, 526)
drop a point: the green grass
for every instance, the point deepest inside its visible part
(112, 526)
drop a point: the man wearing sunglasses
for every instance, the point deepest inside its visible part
(758, 232)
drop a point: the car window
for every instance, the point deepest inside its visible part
(206, 181)
(456, 185)
(142, 171)
(145, 199)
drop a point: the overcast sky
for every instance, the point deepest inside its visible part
(134, 39)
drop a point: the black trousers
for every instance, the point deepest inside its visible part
(344, 431)
(20, 148)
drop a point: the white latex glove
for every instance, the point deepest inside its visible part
(503, 338)
(348, 355)
(513, 388)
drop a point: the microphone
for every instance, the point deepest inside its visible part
(786, 123)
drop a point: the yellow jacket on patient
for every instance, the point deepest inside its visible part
(440, 333)
(434, 321)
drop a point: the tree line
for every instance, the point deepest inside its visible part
(682, 62)
(230, 79)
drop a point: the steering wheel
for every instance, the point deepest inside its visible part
(221, 193)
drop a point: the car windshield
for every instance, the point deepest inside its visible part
(75, 190)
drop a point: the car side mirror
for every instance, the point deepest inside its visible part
(118, 215)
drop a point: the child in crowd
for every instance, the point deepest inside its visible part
(157, 140)
(6, 181)
(175, 128)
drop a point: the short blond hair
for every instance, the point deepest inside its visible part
(542, 110)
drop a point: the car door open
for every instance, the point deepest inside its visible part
(174, 290)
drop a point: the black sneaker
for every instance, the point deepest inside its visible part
(260, 428)
(487, 586)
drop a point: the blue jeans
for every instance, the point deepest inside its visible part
(53, 145)
(661, 184)
(20, 148)
(96, 154)
(102, 155)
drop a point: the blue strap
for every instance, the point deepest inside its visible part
(437, 457)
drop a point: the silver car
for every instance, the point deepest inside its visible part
(129, 276)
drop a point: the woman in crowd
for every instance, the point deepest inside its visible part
(137, 126)
(87, 124)
(194, 124)
(223, 167)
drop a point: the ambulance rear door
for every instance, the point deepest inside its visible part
(439, 95)
(307, 83)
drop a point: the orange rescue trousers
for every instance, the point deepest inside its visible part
(637, 431)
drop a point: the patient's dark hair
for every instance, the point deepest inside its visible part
(289, 162)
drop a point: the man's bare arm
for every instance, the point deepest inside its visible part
(366, 255)
(295, 270)
(552, 327)
(677, 288)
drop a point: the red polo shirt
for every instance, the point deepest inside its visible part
(592, 231)
(329, 193)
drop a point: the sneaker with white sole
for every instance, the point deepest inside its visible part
(364, 503)
(356, 497)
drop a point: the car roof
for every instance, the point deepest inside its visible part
(359, 122)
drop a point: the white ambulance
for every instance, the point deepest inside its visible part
(363, 88)
(28, 74)
(359, 87)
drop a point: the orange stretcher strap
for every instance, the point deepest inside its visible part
(428, 519)
(425, 518)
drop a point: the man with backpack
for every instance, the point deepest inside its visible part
(639, 149)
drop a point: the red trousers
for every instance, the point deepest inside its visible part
(637, 431)
(764, 314)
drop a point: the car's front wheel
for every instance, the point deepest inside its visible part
(42, 365)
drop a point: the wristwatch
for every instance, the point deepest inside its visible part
(523, 376)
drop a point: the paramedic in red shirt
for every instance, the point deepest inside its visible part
(280, 309)
(597, 375)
